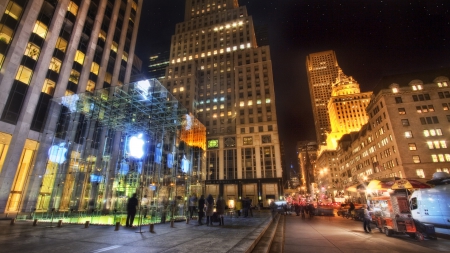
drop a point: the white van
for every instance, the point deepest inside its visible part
(432, 205)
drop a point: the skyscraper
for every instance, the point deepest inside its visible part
(49, 49)
(221, 75)
(346, 108)
(322, 69)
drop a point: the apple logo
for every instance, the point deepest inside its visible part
(57, 153)
(136, 146)
(143, 86)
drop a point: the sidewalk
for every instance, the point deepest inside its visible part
(335, 234)
(238, 235)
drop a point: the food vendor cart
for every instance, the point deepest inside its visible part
(391, 214)
(391, 210)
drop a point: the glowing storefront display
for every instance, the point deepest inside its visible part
(118, 141)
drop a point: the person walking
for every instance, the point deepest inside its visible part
(192, 204)
(201, 209)
(131, 210)
(209, 202)
(367, 219)
(220, 209)
(273, 209)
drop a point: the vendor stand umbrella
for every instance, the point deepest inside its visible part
(405, 183)
(361, 188)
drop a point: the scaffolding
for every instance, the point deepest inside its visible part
(118, 141)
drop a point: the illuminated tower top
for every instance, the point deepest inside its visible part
(346, 108)
(198, 8)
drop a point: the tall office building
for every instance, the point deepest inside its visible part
(158, 65)
(322, 69)
(220, 74)
(49, 49)
(346, 108)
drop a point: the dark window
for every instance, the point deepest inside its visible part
(405, 122)
(398, 100)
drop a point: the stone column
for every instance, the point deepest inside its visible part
(2, 8)
(133, 43)
(123, 37)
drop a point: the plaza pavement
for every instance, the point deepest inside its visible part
(336, 234)
(238, 235)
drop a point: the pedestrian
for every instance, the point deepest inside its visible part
(246, 206)
(352, 207)
(131, 210)
(220, 209)
(209, 202)
(367, 220)
(273, 209)
(250, 207)
(192, 204)
(238, 207)
(297, 209)
(144, 205)
(201, 209)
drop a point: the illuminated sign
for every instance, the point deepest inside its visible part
(136, 146)
(57, 153)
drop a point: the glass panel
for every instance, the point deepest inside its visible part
(73, 8)
(74, 76)
(95, 68)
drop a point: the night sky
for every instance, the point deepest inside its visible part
(371, 38)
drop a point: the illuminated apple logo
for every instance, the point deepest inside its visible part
(57, 153)
(136, 146)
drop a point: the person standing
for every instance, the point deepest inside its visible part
(192, 204)
(201, 207)
(273, 209)
(131, 210)
(209, 202)
(220, 209)
(144, 205)
(238, 207)
(367, 220)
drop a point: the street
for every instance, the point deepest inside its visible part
(336, 234)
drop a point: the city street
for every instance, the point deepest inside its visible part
(336, 234)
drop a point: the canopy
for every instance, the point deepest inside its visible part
(395, 183)
(357, 187)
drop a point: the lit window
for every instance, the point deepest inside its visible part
(229, 113)
(258, 101)
(416, 159)
(75, 76)
(248, 140)
(181, 89)
(102, 35)
(61, 44)
(267, 100)
(6, 34)
(95, 68)
(125, 56)
(114, 46)
(242, 103)
(40, 29)
(426, 133)
(394, 90)
(215, 107)
(447, 157)
(441, 158)
(434, 158)
(412, 146)
(250, 102)
(108, 77)
(443, 144)
(90, 86)
(430, 144)
(73, 8)
(175, 90)
(401, 111)
(222, 106)
(420, 173)
(408, 134)
(32, 51)
(55, 65)
(49, 87)
(133, 5)
(13, 10)
(214, 115)
(2, 57)
(79, 57)
(24, 74)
